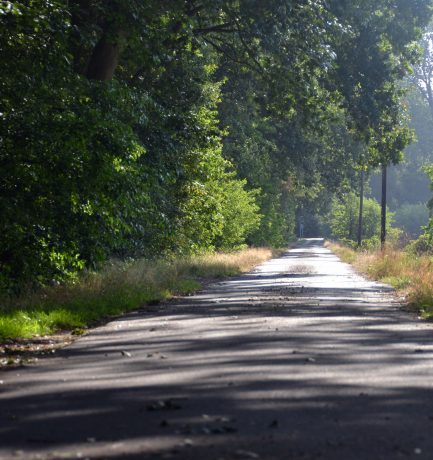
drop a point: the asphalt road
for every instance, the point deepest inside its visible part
(301, 359)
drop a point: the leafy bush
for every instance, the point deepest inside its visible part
(423, 244)
(343, 221)
(94, 169)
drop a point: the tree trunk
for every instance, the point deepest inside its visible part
(361, 209)
(383, 210)
(429, 96)
(104, 59)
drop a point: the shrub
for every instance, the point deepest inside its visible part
(343, 221)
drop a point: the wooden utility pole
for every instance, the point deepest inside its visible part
(383, 210)
(361, 209)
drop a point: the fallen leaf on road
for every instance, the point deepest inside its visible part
(246, 454)
(163, 405)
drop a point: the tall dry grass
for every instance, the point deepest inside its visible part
(408, 273)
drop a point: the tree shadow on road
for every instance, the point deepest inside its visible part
(239, 371)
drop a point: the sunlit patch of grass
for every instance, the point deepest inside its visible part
(224, 264)
(421, 294)
(20, 324)
(397, 282)
(345, 253)
(396, 266)
(406, 272)
(119, 288)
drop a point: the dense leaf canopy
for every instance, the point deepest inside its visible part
(149, 128)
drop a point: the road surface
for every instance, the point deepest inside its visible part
(300, 359)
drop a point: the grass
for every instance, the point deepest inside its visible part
(345, 253)
(408, 273)
(119, 288)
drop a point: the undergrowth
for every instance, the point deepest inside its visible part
(407, 272)
(119, 288)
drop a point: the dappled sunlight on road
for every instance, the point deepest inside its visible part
(301, 358)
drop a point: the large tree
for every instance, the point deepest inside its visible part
(118, 119)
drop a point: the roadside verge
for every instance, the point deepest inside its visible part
(38, 323)
(409, 274)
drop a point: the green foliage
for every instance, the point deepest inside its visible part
(408, 184)
(92, 169)
(343, 220)
(152, 128)
(67, 177)
(376, 53)
(240, 213)
(220, 213)
(423, 244)
(277, 225)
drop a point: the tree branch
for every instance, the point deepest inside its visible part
(224, 28)
(230, 56)
(249, 51)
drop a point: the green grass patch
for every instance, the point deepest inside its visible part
(397, 282)
(119, 288)
(345, 253)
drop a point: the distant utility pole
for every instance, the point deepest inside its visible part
(361, 209)
(383, 210)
